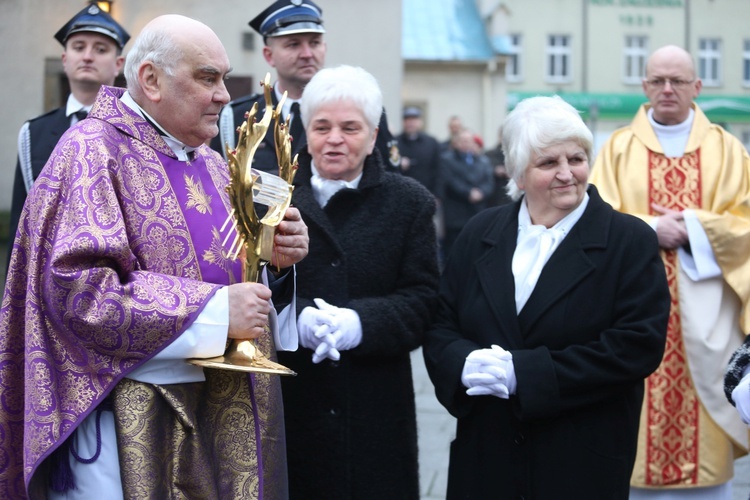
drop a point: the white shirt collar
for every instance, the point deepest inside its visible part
(74, 106)
(180, 149)
(286, 108)
(673, 138)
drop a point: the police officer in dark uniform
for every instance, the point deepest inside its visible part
(292, 32)
(92, 57)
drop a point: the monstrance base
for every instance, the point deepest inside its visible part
(240, 362)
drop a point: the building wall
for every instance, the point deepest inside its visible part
(367, 33)
(598, 29)
(536, 20)
(474, 92)
(27, 28)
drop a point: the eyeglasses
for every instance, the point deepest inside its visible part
(659, 83)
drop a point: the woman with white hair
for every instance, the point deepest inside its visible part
(552, 310)
(366, 293)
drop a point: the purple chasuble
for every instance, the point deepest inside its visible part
(117, 253)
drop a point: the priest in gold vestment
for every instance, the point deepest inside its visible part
(690, 179)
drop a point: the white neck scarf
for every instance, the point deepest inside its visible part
(534, 247)
(324, 188)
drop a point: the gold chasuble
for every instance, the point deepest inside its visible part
(689, 434)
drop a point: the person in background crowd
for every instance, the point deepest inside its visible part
(689, 179)
(478, 144)
(467, 182)
(552, 310)
(292, 32)
(118, 276)
(367, 293)
(497, 159)
(455, 125)
(92, 57)
(420, 152)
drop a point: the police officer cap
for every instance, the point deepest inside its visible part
(412, 112)
(93, 19)
(286, 17)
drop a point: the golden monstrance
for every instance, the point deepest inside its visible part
(254, 234)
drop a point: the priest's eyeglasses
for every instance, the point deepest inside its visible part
(675, 83)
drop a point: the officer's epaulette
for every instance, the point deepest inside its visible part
(246, 99)
(44, 115)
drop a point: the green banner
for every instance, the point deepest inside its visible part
(718, 109)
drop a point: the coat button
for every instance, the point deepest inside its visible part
(519, 439)
(334, 412)
(336, 263)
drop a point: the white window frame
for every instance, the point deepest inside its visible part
(562, 54)
(746, 62)
(709, 61)
(634, 55)
(514, 65)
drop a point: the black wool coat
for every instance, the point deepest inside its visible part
(351, 425)
(593, 328)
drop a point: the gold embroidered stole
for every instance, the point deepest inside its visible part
(671, 403)
(679, 445)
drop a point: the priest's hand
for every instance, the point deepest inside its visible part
(291, 242)
(671, 229)
(249, 307)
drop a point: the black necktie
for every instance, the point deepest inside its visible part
(81, 114)
(295, 128)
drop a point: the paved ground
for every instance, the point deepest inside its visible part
(437, 429)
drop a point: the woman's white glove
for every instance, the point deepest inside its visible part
(315, 325)
(347, 327)
(741, 397)
(489, 372)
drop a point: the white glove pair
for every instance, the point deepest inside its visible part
(741, 397)
(489, 372)
(328, 330)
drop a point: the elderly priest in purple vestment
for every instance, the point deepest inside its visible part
(118, 275)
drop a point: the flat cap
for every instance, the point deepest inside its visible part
(95, 20)
(287, 17)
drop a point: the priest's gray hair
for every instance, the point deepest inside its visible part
(155, 45)
(535, 124)
(343, 84)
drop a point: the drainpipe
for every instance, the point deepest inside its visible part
(585, 47)
(687, 25)
(488, 102)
